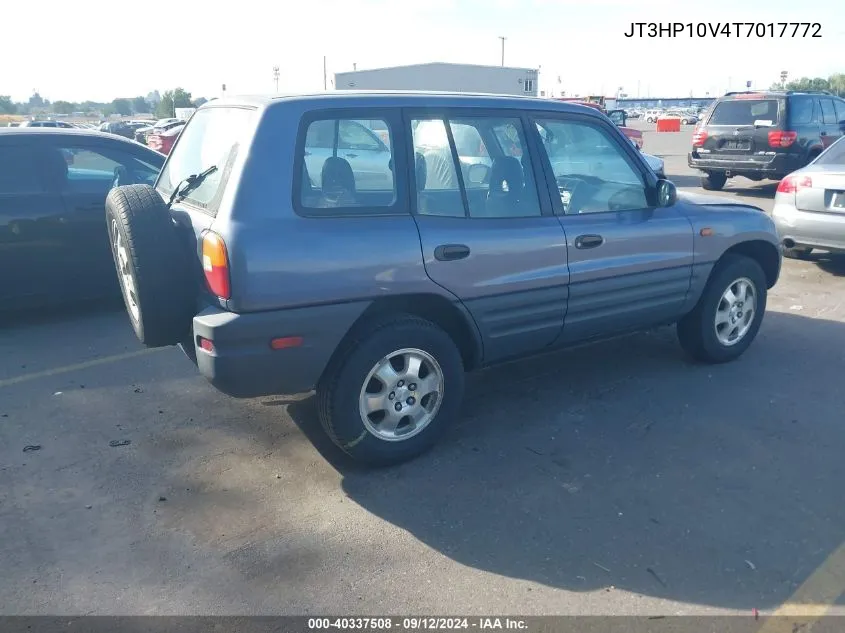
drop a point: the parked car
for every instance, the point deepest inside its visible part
(687, 118)
(161, 125)
(651, 116)
(764, 135)
(37, 124)
(381, 298)
(118, 128)
(162, 140)
(53, 186)
(809, 209)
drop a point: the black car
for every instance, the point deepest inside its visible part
(53, 184)
(764, 135)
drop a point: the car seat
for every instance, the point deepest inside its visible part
(506, 187)
(338, 183)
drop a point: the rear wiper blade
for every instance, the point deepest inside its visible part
(187, 185)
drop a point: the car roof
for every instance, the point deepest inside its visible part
(8, 133)
(403, 98)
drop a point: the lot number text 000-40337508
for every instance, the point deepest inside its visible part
(724, 29)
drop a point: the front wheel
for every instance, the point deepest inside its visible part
(394, 392)
(729, 313)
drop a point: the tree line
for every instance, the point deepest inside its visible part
(162, 106)
(834, 84)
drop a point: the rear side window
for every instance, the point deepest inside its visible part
(802, 111)
(745, 112)
(835, 155)
(18, 171)
(347, 165)
(828, 112)
(212, 138)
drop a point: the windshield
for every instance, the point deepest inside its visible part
(212, 138)
(745, 112)
(835, 155)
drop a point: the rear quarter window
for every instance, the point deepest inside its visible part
(211, 138)
(802, 111)
(745, 112)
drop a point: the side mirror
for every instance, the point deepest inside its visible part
(667, 193)
(477, 173)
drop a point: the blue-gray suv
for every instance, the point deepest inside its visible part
(376, 246)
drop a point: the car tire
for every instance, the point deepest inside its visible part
(798, 252)
(374, 438)
(713, 181)
(153, 269)
(684, 122)
(705, 332)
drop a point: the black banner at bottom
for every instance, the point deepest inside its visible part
(411, 624)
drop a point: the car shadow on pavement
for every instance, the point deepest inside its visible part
(830, 263)
(624, 466)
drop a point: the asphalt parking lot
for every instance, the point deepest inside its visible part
(614, 479)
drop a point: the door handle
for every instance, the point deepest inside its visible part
(588, 241)
(451, 252)
(352, 156)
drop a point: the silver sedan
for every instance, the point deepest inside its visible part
(809, 209)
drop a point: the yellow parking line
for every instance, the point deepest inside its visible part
(8, 382)
(814, 598)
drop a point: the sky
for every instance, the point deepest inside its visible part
(116, 52)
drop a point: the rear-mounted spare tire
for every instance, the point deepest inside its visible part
(153, 268)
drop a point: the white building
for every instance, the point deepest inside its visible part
(442, 77)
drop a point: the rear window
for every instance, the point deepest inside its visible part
(212, 139)
(835, 155)
(745, 112)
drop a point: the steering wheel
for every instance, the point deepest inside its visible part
(121, 177)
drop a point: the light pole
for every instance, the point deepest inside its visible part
(783, 75)
(503, 48)
(276, 77)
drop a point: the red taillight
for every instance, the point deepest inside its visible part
(215, 264)
(792, 184)
(782, 138)
(206, 344)
(699, 137)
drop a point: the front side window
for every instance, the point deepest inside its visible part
(839, 106)
(347, 164)
(592, 173)
(828, 111)
(492, 178)
(97, 169)
(19, 173)
(211, 139)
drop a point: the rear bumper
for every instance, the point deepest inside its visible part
(806, 228)
(775, 166)
(243, 364)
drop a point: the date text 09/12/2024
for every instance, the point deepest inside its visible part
(724, 29)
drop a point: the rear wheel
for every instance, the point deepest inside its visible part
(729, 313)
(713, 180)
(153, 270)
(394, 392)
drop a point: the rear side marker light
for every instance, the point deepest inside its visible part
(286, 342)
(206, 345)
